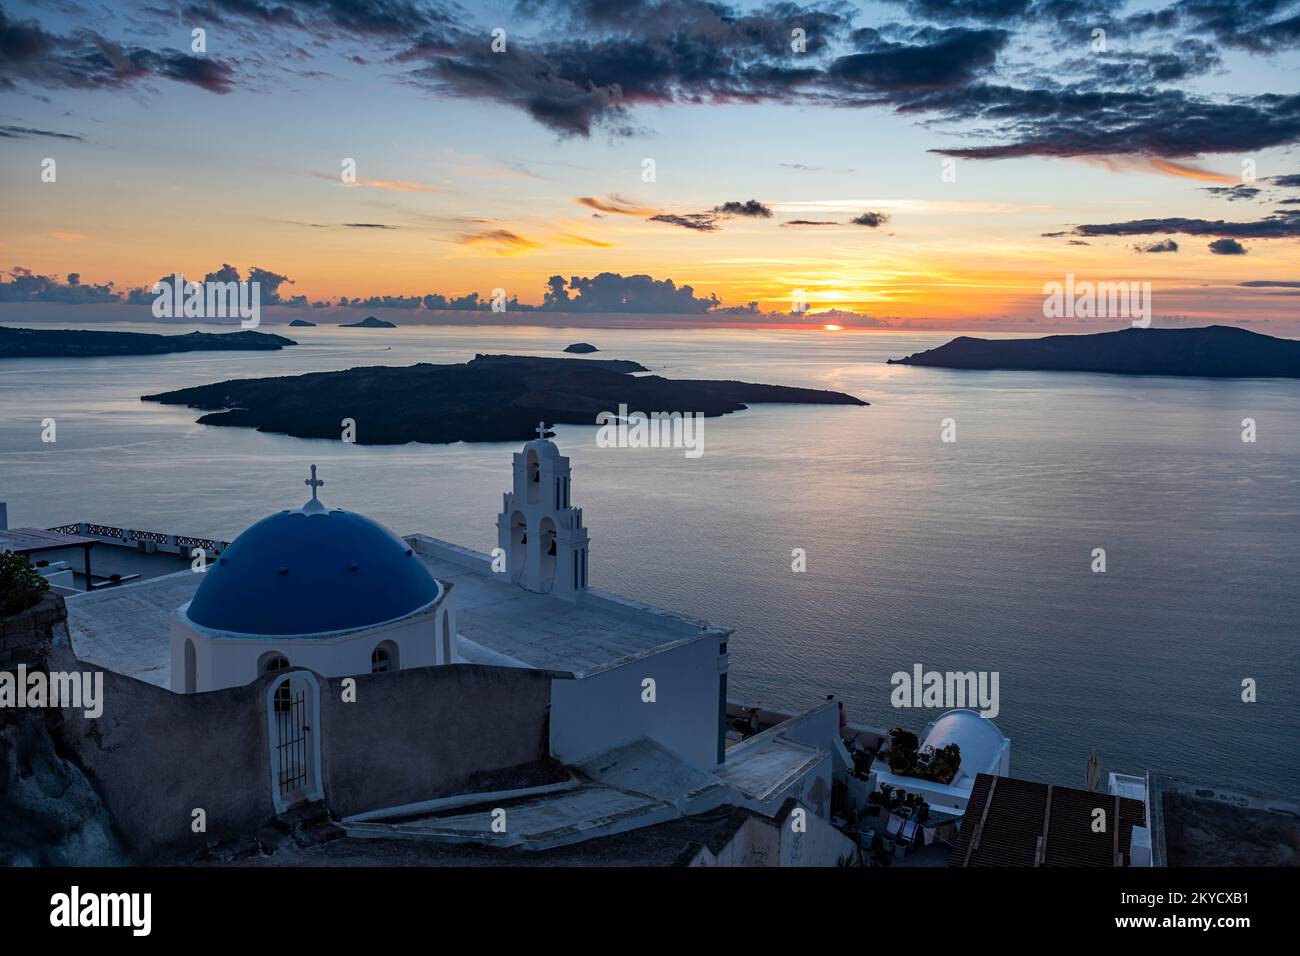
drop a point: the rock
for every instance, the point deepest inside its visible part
(581, 348)
(302, 324)
(369, 322)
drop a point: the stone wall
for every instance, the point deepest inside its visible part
(432, 732)
(25, 637)
(154, 757)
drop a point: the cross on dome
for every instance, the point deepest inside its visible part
(541, 430)
(313, 482)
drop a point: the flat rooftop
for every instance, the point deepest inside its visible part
(543, 631)
(126, 629)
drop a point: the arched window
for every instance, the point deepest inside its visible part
(191, 667)
(383, 658)
(446, 638)
(270, 662)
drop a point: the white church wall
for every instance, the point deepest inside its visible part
(223, 661)
(605, 709)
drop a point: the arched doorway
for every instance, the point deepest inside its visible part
(446, 638)
(292, 720)
(191, 667)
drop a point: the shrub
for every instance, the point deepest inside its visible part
(20, 585)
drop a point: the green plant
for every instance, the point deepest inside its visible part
(20, 585)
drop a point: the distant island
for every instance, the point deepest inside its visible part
(1217, 351)
(492, 398)
(369, 322)
(302, 324)
(581, 348)
(78, 343)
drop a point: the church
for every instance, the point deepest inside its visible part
(405, 683)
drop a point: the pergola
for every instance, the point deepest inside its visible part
(27, 541)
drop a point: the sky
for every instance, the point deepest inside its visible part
(984, 148)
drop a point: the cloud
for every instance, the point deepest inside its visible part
(85, 60)
(934, 59)
(614, 203)
(612, 292)
(505, 241)
(1227, 247)
(810, 222)
(1164, 245)
(24, 286)
(1233, 193)
(380, 18)
(367, 225)
(395, 185)
(871, 219)
(1282, 226)
(1270, 284)
(699, 221)
(752, 208)
(1290, 181)
(1080, 121)
(573, 239)
(22, 132)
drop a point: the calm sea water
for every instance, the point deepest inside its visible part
(966, 556)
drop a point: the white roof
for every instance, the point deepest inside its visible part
(980, 740)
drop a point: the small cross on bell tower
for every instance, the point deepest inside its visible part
(541, 429)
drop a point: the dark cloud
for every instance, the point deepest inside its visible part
(1256, 25)
(809, 222)
(1270, 284)
(1164, 245)
(384, 18)
(871, 219)
(752, 208)
(1227, 247)
(1290, 181)
(367, 225)
(1281, 226)
(84, 59)
(24, 286)
(699, 221)
(936, 59)
(1078, 121)
(22, 132)
(612, 292)
(1232, 193)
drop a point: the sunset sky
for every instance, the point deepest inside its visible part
(478, 170)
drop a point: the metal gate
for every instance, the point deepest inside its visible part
(292, 730)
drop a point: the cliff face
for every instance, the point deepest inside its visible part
(50, 814)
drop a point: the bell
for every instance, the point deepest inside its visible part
(523, 538)
(550, 552)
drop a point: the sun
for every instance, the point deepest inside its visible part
(832, 327)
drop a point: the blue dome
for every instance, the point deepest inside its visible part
(306, 572)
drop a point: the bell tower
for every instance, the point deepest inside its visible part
(541, 534)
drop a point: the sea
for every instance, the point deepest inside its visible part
(977, 554)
